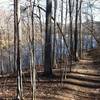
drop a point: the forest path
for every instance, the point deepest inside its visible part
(82, 83)
(85, 76)
(90, 62)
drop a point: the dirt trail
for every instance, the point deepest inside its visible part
(83, 83)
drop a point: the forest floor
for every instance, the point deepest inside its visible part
(83, 83)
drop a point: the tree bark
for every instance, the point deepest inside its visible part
(17, 42)
(48, 58)
(80, 30)
(70, 33)
(33, 50)
(54, 38)
(76, 33)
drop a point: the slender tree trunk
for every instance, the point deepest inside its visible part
(92, 28)
(33, 51)
(54, 38)
(1, 55)
(29, 42)
(17, 34)
(9, 62)
(15, 30)
(2, 62)
(66, 31)
(9, 54)
(71, 33)
(76, 33)
(61, 38)
(80, 30)
(41, 36)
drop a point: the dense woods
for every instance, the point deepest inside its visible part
(50, 50)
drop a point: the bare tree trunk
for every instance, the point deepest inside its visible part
(61, 38)
(41, 36)
(80, 30)
(29, 42)
(66, 29)
(2, 62)
(1, 55)
(54, 38)
(76, 33)
(92, 27)
(48, 58)
(71, 32)
(17, 34)
(9, 54)
(15, 30)
(33, 51)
